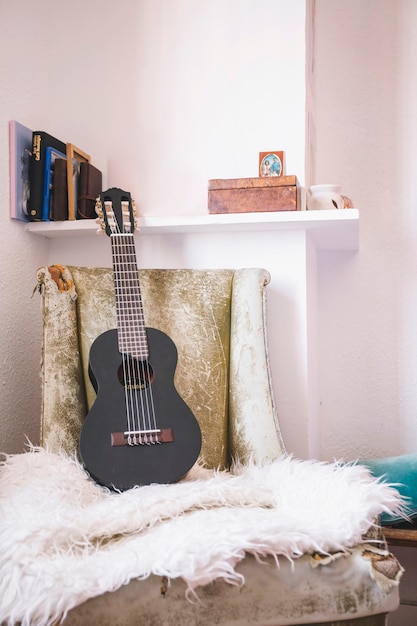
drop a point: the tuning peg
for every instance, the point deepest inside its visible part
(135, 215)
(100, 223)
(98, 207)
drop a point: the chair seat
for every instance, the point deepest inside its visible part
(273, 594)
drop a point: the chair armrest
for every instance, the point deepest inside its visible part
(254, 428)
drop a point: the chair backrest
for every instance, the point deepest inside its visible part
(216, 318)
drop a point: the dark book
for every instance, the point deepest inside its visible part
(50, 158)
(59, 191)
(89, 187)
(40, 142)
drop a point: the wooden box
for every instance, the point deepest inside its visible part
(249, 195)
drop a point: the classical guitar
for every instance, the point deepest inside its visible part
(139, 430)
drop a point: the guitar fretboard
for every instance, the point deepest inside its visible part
(129, 309)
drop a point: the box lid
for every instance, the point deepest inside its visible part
(247, 183)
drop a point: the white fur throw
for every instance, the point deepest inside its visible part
(63, 539)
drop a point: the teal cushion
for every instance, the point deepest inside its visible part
(401, 472)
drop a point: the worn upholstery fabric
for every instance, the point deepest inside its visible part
(217, 320)
(63, 394)
(271, 596)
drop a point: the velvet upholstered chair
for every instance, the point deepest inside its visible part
(217, 321)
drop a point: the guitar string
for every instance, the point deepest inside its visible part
(114, 241)
(135, 348)
(130, 374)
(131, 355)
(146, 391)
(121, 321)
(147, 372)
(139, 401)
(147, 399)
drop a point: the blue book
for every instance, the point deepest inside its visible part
(50, 155)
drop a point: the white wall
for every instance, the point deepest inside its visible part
(164, 96)
(366, 128)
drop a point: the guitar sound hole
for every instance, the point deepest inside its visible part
(134, 374)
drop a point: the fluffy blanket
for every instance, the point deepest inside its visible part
(63, 539)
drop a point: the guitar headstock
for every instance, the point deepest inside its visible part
(116, 212)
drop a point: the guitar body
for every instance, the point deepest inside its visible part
(121, 467)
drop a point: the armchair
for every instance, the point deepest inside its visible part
(217, 320)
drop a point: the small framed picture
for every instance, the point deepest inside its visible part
(271, 163)
(75, 156)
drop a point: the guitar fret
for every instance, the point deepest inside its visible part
(130, 310)
(131, 340)
(133, 350)
(129, 304)
(125, 293)
(130, 319)
(134, 342)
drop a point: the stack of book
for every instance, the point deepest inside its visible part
(63, 182)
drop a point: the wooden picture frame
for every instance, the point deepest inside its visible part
(271, 163)
(75, 156)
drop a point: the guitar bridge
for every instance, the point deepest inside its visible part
(142, 437)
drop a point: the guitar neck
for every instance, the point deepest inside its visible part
(129, 308)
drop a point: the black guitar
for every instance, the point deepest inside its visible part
(139, 430)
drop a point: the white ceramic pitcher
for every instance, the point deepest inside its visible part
(324, 197)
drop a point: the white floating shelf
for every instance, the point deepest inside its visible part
(329, 230)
